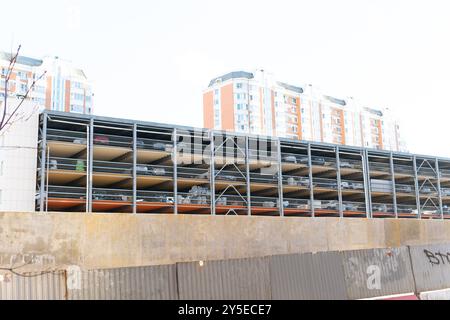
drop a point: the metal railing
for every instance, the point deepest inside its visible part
(77, 137)
(112, 195)
(55, 163)
(64, 192)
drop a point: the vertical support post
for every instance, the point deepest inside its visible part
(280, 180)
(43, 161)
(416, 184)
(247, 169)
(175, 170)
(438, 174)
(394, 190)
(90, 162)
(212, 181)
(311, 184)
(339, 182)
(134, 168)
(367, 188)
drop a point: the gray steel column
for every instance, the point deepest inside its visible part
(43, 161)
(134, 168)
(339, 182)
(90, 164)
(311, 184)
(175, 170)
(394, 190)
(247, 165)
(441, 208)
(416, 183)
(212, 181)
(367, 188)
(280, 180)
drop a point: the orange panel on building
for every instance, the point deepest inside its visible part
(380, 133)
(208, 109)
(227, 107)
(341, 115)
(67, 96)
(48, 94)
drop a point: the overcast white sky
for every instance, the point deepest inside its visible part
(150, 60)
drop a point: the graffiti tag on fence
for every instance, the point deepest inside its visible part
(437, 258)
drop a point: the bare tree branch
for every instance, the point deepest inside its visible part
(23, 99)
(5, 121)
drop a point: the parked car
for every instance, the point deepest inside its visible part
(320, 161)
(159, 146)
(79, 141)
(302, 181)
(345, 185)
(141, 169)
(291, 159)
(404, 189)
(346, 164)
(158, 171)
(350, 207)
(80, 166)
(380, 208)
(332, 205)
(356, 185)
(426, 190)
(227, 177)
(303, 160)
(101, 139)
(140, 143)
(268, 204)
(53, 164)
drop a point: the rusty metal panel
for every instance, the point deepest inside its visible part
(377, 272)
(139, 283)
(431, 266)
(33, 286)
(237, 279)
(307, 276)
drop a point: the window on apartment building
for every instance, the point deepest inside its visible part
(275, 94)
(77, 96)
(238, 96)
(22, 75)
(23, 87)
(216, 102)
(251, 97)
(4, 71)
(239, 85)
(294, 100)
(76, 108)
(216, 92)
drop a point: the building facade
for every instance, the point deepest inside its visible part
(18, 154)
(257, 103)
(63, 88)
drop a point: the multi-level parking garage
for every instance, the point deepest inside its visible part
(98, 164)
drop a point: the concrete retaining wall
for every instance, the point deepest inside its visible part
(123, 240)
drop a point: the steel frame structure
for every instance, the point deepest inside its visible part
(312, 179)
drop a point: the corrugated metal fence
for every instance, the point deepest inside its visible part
(328, 275)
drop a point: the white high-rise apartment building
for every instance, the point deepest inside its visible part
(256, 103)
(64, 87)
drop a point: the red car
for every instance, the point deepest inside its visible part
(99, 139)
